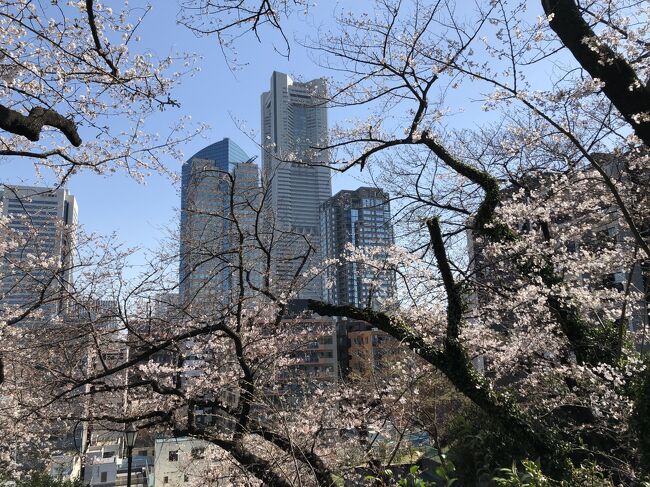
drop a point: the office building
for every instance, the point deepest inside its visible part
(37, 225)
(358, 219)
(213, 180)
(296, 174)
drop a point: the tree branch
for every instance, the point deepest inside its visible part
(455, 365)
(622, 86)
(31, 126)
(322, 473)
(98, 45)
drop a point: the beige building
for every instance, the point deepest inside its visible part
(311, 347)
(370, 350)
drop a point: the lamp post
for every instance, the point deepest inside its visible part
(130, 435)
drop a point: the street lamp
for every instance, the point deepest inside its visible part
(130, 435)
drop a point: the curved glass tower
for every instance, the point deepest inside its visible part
(209, 180)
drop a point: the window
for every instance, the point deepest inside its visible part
(166, 480)
(186, 478)
(108, 454)
(173, 455)
(142, 453)
(103, 477)
(198, 453)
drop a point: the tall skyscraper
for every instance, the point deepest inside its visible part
(37, 225)
(214, 179)
(360, 218)
(296, 172)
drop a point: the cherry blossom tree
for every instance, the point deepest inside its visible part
(519, 186)
(225, 368)
(509, 234)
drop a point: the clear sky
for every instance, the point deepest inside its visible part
(140, 213)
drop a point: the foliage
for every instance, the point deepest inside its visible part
(446, 471)
(531, 476)
(550, 187)
(478, 445)
(641, 417)
(44, 480)
(413, 478)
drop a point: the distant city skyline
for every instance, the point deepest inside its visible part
(141, 215)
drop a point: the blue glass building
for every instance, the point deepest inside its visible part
(360, 218)
(209, 178)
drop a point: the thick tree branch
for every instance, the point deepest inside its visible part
(393, 326)
(321, 472)
(454, 296)
(257, 466)
(456, 366)
(30, 126)
(484, 218)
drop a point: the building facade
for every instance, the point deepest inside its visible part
(358, 219)
(295, 173)
(105, 462)
(370, 351)
(313, 346)
(38, 226)
(218, 183)
(188, 462)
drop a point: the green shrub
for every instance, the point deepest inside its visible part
(530, 475)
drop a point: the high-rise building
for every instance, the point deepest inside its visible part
(358, 219)
(220, 183)
(296, 173)
(38, 227)
(312, 341)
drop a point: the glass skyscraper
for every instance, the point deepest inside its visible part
(38, 228)
(214, 179)
(296, 173)
(359, 218)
